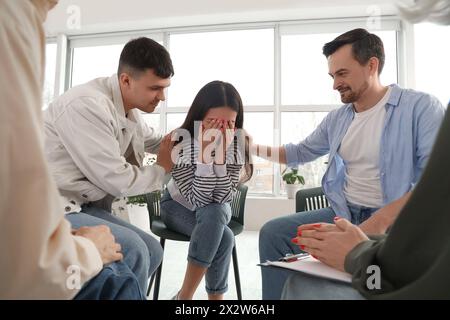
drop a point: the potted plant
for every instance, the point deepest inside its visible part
(139, 200)
(293, 181)
(119, 208)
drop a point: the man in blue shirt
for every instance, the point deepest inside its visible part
(378, 144)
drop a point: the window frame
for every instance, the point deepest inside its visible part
(52, 40)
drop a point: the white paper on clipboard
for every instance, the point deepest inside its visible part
(310, 265)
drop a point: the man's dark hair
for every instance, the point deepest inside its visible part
(142, 54)
(365, 45)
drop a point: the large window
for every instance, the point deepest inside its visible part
(432, 48)
(99, 57)
(260, 127)
(304, 69)
(278, 69)
(50, 74)
(93, 62)
(175, 120)
(244, 58)
(295, 127)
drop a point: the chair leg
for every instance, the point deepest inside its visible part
(162, 241)
(152, 279)
(151, 283)
(236, 273)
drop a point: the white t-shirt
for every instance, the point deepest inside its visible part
(360, 150)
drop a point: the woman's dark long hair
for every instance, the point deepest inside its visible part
(214, 95)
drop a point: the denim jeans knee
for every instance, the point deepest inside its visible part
(208, 232)
(211, 241)
(301, 286)
(134, 249)
(214, 213)
(275, 241)
(114, 282)
(216, 278)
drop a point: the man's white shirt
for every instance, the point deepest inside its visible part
(360, 150)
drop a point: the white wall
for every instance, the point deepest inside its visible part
(260, 210)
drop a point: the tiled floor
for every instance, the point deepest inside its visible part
(174, 266)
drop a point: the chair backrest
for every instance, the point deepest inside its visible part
(237, 204)
(153, 205)
(310, 199)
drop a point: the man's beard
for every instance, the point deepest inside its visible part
(351, 96)
(153, 104)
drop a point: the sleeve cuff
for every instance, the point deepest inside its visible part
(91, 258)
(157, 179)
(204, 170)
(376, 237)
(160, 171)
(351, 260)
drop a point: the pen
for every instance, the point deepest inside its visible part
(293, 257)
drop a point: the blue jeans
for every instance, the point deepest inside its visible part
(114, 282)
(142, 253)
(275, 241)
(300, 286)
(212, 241)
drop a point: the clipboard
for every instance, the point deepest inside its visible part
(305, 263)
(289, 257)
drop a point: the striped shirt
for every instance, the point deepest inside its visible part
(196, 184)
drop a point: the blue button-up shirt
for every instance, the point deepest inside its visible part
(412, 122)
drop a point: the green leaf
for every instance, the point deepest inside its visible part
(292, 176)
(137, 200)
(301, 180)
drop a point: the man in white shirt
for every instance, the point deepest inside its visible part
(95, 139)
(42, 257)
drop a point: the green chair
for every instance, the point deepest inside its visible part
(158, 228)
(310, 199)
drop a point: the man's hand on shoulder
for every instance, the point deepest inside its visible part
(165, 153)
